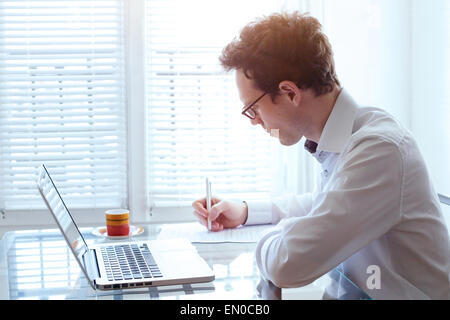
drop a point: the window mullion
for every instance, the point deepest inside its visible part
(135, 86)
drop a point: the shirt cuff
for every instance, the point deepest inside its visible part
(259, 212)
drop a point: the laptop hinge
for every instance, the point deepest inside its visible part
(91, 263)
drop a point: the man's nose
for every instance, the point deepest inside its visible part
(255, 121)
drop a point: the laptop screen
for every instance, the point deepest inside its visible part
(62, 215)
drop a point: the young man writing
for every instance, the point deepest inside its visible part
(375, 207)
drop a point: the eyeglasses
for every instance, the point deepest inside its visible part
(248, 111)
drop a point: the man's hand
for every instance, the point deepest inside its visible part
(223, 213)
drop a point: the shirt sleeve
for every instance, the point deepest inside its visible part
(361, 203)
(266, 212)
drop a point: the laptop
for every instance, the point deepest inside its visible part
(125, 264)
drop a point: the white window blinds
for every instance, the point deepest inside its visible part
(195, 128)
(62, 102)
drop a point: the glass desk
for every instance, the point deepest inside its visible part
(37, 264)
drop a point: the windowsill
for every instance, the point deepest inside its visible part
(42, 219)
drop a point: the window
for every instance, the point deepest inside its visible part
(62, 102)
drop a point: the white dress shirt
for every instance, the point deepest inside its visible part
(375, 214)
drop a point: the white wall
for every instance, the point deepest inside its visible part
(371, 44)
(431, 86)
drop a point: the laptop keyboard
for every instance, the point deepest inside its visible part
(127, 262)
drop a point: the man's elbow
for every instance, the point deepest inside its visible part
(287, 263)
(286, 274)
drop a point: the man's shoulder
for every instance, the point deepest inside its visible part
(377, 125)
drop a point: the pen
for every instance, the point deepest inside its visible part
(208, 200)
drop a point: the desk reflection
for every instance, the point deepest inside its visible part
(37, 264)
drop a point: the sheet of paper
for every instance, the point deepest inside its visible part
(195, 232)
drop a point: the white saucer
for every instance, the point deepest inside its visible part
(101, 232)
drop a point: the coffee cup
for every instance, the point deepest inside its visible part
(118, 222)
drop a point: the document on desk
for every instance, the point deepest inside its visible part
(195, 232)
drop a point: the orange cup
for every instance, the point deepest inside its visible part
(118, 222)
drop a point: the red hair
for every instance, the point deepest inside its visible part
(283, 46)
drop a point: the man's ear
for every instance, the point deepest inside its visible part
(291, 90)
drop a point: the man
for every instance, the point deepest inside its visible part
(375, 220)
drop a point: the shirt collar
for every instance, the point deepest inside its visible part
(339, 126)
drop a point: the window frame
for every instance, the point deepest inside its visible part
(135, 103)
